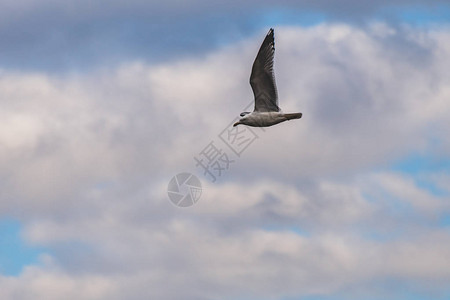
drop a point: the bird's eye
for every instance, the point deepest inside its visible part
(244, 113)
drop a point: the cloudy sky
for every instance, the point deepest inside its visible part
(102, 103)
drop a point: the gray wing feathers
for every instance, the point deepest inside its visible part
(262, 78)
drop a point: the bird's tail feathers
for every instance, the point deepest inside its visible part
(293, 116)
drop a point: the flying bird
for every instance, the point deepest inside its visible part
(266, 112)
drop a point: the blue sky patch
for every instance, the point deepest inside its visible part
(14, 252)
(425, 15)
(419, 165)
(284, 17)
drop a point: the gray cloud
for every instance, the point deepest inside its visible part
(76, 35)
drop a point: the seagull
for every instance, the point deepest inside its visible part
(262, 80)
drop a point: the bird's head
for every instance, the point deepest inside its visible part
(244, 116)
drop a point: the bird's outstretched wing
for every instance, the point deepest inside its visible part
(262, 78)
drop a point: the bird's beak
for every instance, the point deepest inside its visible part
(236, 124)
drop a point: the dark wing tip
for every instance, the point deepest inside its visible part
(271, 37)
(270, 33)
